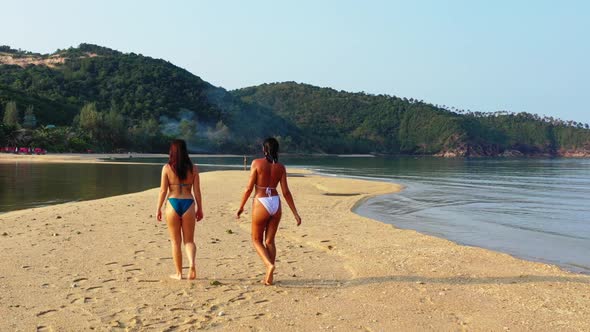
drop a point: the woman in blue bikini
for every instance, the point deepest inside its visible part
(265, 174)
(180, 178)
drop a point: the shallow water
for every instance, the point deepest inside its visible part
(536, 209)
(532, 208)
(26, 185)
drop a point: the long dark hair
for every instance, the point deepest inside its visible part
(271, 150)
(178, 159)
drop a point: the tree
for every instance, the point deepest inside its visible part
(188, 129)
(219, 136)
(90, 120)
(30, 120)
(11, 114)
(114, 128)
(3, 135)
(146, 136)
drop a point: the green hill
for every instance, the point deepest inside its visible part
(339, 121)
(142, 90)
(105, 100)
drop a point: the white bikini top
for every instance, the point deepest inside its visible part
(267, 190)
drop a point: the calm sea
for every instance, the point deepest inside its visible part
(25, 185)
(536, 209)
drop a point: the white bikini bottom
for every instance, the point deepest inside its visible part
(270, 203)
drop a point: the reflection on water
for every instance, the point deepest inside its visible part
(25, 185)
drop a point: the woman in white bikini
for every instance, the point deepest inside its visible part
(265, 174)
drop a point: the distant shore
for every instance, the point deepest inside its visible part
(92, 157)
(121, 157)
(103, 264)
(104, 157)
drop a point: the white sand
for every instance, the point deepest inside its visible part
(103, 265)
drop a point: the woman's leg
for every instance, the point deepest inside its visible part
(269, 240)
(260, 218)
(269, 235)
(174, 226)
(188, 236)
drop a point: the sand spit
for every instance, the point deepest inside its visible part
(103, 264)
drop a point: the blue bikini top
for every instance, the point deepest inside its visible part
(180, 184)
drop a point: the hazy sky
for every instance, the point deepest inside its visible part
(531, 56)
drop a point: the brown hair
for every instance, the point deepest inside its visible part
(179, 160)
(271, 150)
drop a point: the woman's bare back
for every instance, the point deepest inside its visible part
(179, 188)
(268, 175)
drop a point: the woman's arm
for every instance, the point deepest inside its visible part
(163, 192)
(197, 191)
(289, 197)
(249, 188)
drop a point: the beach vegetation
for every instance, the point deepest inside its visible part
(11, 115)
(29, 119)
(105, 100)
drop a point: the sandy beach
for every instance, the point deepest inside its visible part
(104, 265)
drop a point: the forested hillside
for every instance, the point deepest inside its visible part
(108, 100)
(339, 121)
(92, 97)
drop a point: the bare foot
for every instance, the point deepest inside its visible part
(177, 276)
(192, 274)
(269, 275)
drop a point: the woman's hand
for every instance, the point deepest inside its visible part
(199, 214)
(159, 215)
(239, 213)
(298, 219)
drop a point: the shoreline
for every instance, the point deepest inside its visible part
(104, 159)
(109, 270)
(564, 265)
(93, 158)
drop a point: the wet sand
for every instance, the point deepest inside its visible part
(104, 264)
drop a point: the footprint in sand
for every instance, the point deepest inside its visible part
(240, 297)
(45, 312)
(180, 309)
(82, 300)
(89, 289)
(126, 265)
(111, 263)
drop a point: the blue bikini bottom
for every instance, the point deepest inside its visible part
(181, 205)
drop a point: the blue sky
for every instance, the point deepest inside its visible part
(531, 56)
